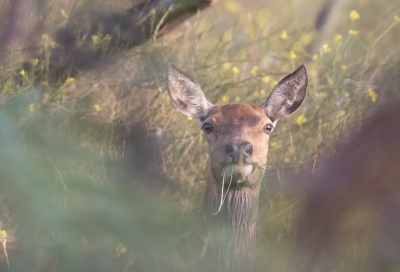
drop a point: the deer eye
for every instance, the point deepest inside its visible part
(207, 128)
(269, 128)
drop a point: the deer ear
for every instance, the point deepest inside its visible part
(186, 94)
(287, 95)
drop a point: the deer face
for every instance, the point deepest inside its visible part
(237, 134)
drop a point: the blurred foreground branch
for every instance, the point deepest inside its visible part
(78, 47)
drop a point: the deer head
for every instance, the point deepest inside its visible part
(237, 136)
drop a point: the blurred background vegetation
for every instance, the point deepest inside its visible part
(98, 171)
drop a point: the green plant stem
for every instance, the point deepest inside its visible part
(384, 33)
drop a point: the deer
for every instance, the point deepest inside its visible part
(237, 137)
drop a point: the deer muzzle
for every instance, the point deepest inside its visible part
(238, 170)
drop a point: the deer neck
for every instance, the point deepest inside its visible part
(235, 222)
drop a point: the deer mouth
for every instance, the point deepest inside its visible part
(240, 170)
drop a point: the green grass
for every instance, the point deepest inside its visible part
(63, 146)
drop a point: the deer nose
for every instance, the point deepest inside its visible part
(235, 151)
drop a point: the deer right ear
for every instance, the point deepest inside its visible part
(288, 95)
(186, 94)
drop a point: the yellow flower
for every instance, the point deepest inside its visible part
(354, 15)
(54, 44)
(262, 92)
(34, 62)
(22, 72)
(292, 54)
(397, 18)
(306, 38)
(323, 95)
(232, 6)
(273, 144)
(274, 83)
(97, 107)
(190, 118)
(301, 119)
(225, 99)
(45, 36)
(326, 48)
(325, 125)
(237, 99)
(336, 92)
(254, 70)
(95, 39)
(69, 80)
(344, 67)
(353, 32)
(64, 14)
(256, 94)
(107, 37)
(235, 70)
(372, 94)
(317, 107)
(226, 66)
(287, 160)
(121, 249)
(315, 57)
(31, 107)
(346, 94)
(337, 38)
(284, 35)
(330, 81)
(265, 79)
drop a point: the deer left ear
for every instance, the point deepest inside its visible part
(287, 95)
(186, 94)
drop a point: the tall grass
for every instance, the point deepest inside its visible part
(80, 192)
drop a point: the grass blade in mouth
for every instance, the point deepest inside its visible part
(261, 168)
(222, 190)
